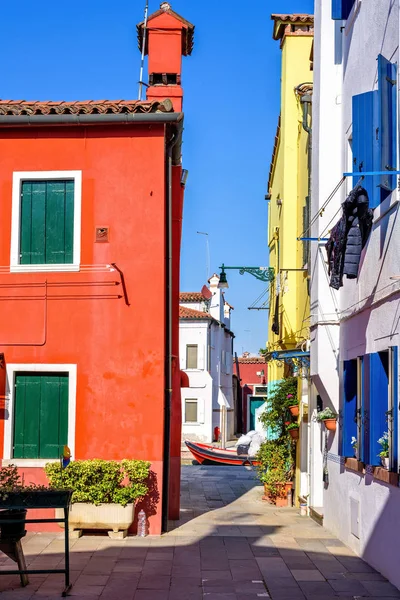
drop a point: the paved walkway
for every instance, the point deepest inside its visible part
(229, 545)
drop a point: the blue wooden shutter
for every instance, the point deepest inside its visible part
(387, 133)
(379, 403)
(349, 406)
(364, 135)
(395, 407)
(341, 9)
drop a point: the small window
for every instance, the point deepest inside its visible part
(46, 221)
(191, 410)
(191, 356)
(40, 415)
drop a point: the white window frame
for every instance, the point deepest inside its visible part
(18, 178)
(192, 401)
(11, 370)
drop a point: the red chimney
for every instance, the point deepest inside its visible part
(168, 37)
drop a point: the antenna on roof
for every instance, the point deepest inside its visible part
(146, 12)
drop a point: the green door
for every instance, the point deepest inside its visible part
(40, 415)
(254, 404)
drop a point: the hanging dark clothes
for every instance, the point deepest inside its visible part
(348, 237)
(275, 322)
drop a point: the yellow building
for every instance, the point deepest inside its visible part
(288, 215)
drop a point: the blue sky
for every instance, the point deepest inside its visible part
(232, 90)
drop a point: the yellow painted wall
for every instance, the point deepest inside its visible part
(289, 185)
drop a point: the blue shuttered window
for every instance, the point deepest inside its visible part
(375, 133)
(341, 9)
(394, 421)
(379, 403)
(349, 406)
(363, 138)
(387, 111)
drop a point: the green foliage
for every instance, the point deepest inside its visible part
(327, 413)
(281, 396)
(275, 466)
(11, 481)
(102, 481)
(292, 426)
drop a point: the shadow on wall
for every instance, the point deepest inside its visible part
(381, 549)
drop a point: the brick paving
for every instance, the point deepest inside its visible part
(228, 545)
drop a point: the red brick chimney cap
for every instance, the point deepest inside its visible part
(187, 29)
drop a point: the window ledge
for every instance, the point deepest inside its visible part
(44, 268)
(28, 462)
(353, 464)
(386, 476)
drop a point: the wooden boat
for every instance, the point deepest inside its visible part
(212, 454)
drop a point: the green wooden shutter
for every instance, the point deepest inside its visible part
(27, 416)
(53, 415)
(47, 222)
(40, 415)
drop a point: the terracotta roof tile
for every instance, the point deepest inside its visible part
(86, 107)
(190, 313)
(251, 360)
(191, 297)
(282, 21)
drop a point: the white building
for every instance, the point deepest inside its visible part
(205, 347)
(355, 331)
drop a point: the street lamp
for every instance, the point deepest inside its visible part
(265, 274)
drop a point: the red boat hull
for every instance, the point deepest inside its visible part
(205, 452)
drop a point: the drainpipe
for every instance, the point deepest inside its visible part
(172, 157)
(306, 103)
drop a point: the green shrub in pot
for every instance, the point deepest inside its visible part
(98, 481)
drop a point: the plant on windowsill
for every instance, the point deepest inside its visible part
(16, 498)
(293, 430)
(384, 454)
(294, 405)
(354, 445)
(328, 417)
(104, 492)
(275, 470)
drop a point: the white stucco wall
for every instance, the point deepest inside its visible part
(201, 384)
(370, 305)
(215, 363)
(327, 170)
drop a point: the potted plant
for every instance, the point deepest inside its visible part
(328, 417)
(282, 395)
(104, 492)
(293, 430)
(275, 470)
(16, 498)
(354, 445)
(384, 454)
(293, 405)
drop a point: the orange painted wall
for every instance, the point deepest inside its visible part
(118, 349)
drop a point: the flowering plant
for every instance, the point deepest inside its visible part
(327, 413)
(291, 400)
(354, 443)
(384, 442)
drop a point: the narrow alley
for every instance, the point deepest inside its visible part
(228, 545)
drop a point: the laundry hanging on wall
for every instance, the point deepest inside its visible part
(348, 237)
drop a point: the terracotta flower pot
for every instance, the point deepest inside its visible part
(281, 502)
(294, 434)
(330, 424)
(288, 486)
(294, 410)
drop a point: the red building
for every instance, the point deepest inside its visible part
(250, 387)
(91, 209)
